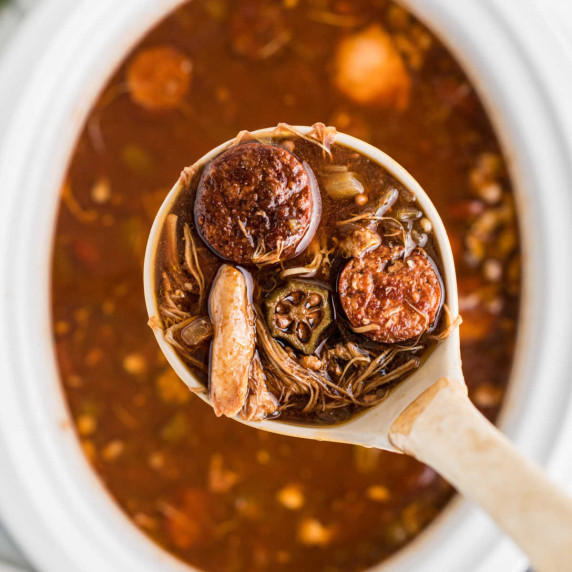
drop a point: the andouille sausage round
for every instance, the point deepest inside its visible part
(388, 298)
(255, 200)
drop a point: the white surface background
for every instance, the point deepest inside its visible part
(558, 14)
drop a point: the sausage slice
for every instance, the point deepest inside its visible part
(389, 299)
(256, 201)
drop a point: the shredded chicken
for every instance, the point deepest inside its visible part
(359, 241)
(260, 402)
(233, 342)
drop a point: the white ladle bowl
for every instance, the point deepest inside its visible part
(372, 427)
(429, 415)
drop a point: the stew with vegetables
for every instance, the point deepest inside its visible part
(216, 494)
(363, 311)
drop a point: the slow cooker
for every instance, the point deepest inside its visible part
(52, 502)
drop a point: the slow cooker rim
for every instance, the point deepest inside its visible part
(2, 497)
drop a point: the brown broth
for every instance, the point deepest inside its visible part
(213, 492)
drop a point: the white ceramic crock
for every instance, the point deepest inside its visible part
(52, 502)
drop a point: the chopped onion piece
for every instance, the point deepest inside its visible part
(197, 332)
(341, 183)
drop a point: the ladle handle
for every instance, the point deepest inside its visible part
(443, 429)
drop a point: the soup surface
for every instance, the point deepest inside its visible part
(340, 293)
(219, 495)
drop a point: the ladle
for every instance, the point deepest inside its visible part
(429, 415)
